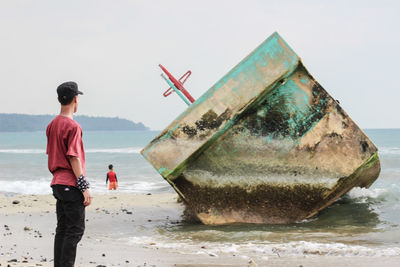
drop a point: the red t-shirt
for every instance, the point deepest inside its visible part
(64, 139)
(112, 176)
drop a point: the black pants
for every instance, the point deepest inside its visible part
(70, 224)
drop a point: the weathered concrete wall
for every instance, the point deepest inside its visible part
(266, 144)
(230, 96)
(281, 160)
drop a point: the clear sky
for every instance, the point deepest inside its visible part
(112, 50)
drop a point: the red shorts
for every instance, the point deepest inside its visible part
(113, 186)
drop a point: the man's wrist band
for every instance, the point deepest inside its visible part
(82, 183)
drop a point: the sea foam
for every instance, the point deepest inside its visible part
(389, 151)
(362, 195)
(38, 187)
(296, 248)
(23, 151)
(42, 187)
(125, 150)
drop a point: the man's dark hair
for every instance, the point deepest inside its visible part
(110, 166)
(67, 91)
(65, 100)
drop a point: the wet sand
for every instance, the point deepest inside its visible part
(27, 224)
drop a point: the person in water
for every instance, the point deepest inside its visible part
(112, 176)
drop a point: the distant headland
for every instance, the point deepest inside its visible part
(31, 123)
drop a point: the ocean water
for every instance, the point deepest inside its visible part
(364, 222)
(23, 162)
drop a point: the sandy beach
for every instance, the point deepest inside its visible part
(112, 223)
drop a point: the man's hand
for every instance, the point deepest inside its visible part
(87, 198)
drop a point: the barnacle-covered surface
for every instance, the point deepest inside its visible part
(266, 144)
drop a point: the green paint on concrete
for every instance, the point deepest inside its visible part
(267, 117)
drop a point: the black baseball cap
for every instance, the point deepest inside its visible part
(68, 90)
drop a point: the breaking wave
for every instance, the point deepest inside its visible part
(389, 150)
(296, 248)
(38, 187)
(42, 187)
(331, 249)
(23, 151)
(126, 150)
(363, 195)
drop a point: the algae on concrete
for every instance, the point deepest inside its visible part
(265, 144)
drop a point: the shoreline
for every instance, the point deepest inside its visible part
(114, 221)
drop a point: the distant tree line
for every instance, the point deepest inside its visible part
(30, 123)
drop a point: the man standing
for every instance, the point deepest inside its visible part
(112, 176)
(66, 161)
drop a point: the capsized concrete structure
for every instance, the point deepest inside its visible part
(265, 144)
